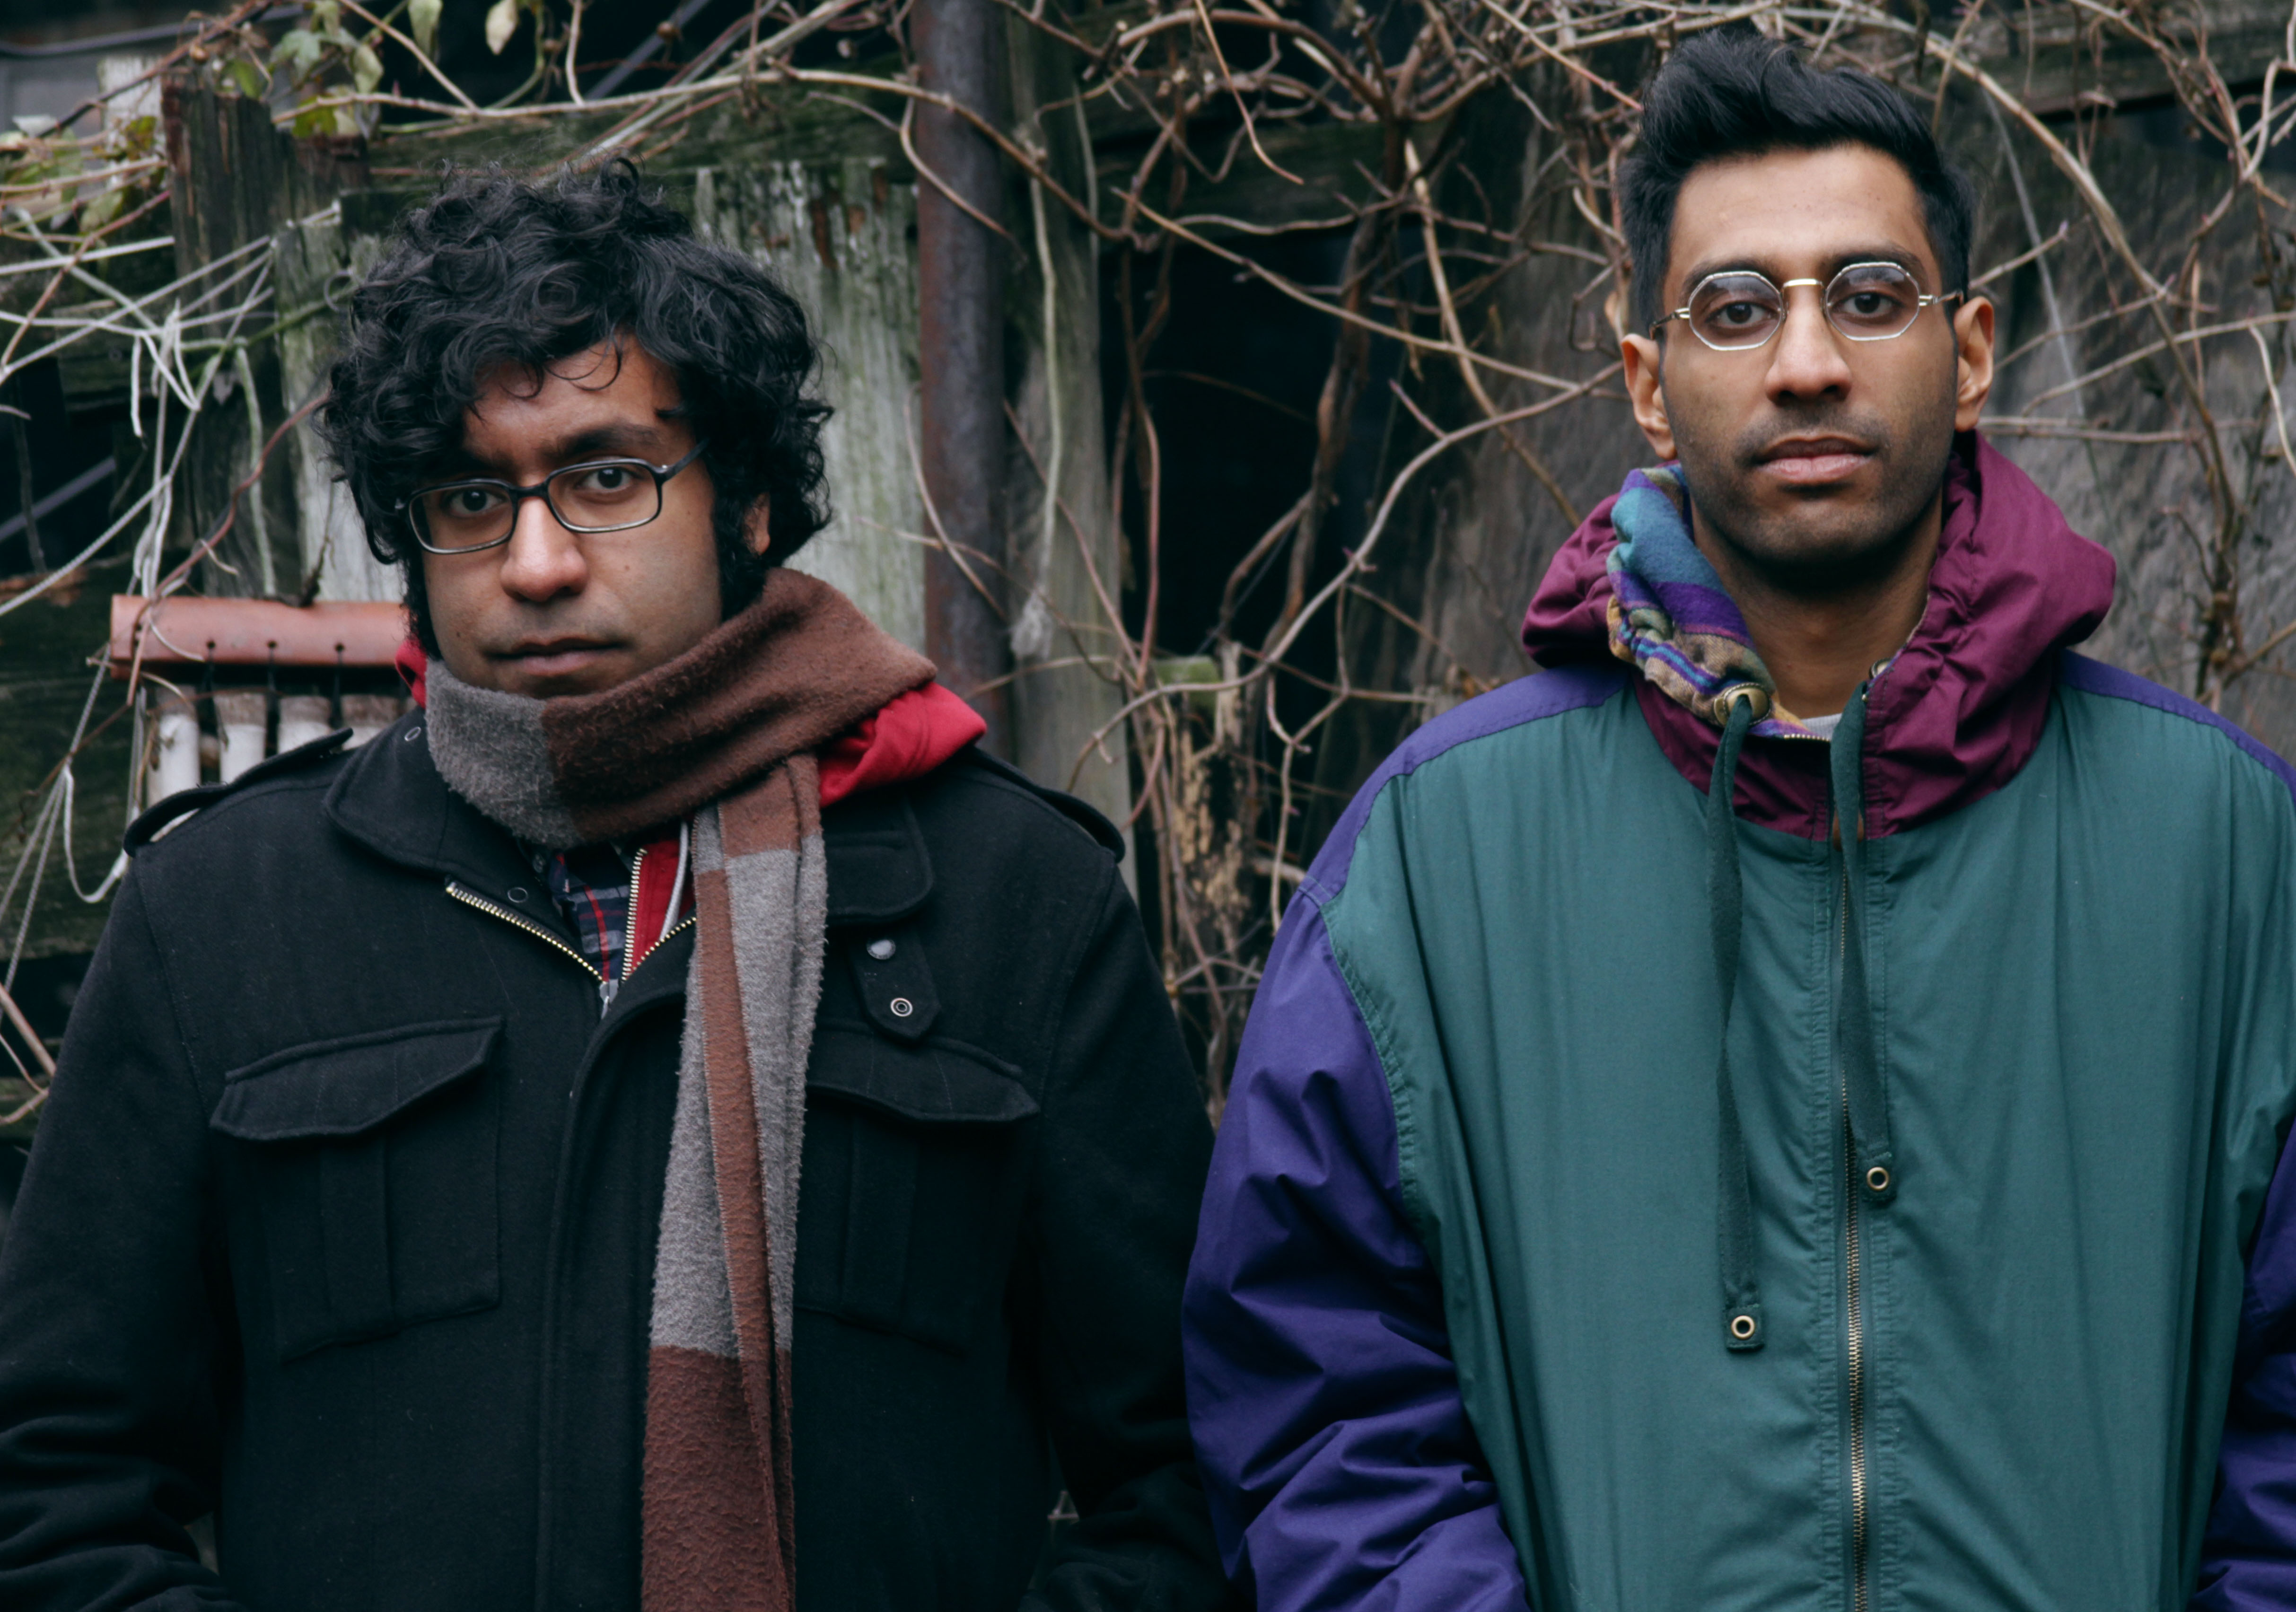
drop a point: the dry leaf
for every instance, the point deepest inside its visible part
(502, 22)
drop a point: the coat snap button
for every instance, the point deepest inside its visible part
(880, 949)
(902, 1007)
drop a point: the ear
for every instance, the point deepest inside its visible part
(757, 526)
(1641, 356)
(1972, 335)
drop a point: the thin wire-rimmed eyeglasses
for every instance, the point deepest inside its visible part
(596, 495)
(1739, 308)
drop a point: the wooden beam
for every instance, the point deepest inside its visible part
(2060, 58)
(236, 180)
(187, 631)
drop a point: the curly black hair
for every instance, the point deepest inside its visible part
(494, 271)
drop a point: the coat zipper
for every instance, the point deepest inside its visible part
(469, 897)
(1853, 1308)
(608, 987)
(631, 955)
(630, 931)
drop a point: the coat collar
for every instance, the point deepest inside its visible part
(391, 799)
(1961, 707)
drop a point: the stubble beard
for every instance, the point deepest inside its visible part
(1819, 544)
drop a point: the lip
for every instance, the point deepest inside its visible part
(1815, 461)
(553, 657)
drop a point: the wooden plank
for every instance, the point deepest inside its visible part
(2059, 57)
(186, 631)
(236, 180)
(96, 369)
(315, 266)
(840, 237)
(776, 123)
(1065, 647)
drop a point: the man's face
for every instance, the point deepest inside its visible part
(1814, 458)
(557, 612)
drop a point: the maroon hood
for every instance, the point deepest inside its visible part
(1959, 709)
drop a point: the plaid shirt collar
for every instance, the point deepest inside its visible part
(590, 884)
(595, 885)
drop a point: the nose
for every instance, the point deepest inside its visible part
(1807, 357)
(542, 560)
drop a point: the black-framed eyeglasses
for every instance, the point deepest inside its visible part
(595, 495)
(1740, 309)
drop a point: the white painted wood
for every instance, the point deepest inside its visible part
(314, 264)
(1062, 555)
(841, 238)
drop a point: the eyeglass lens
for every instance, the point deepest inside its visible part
(1866, 302)
(606, 497)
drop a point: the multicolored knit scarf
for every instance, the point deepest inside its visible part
(1670, 614)
(726, 732)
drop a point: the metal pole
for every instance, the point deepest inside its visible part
(961, 331)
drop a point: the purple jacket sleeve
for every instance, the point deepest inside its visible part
(1341, 1470)
(2249, 1561)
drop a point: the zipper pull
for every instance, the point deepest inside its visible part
(606, 989)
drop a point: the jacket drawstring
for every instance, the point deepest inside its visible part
(1854, 1044)
(1742, 1298)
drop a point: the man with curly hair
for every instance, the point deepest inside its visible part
(669, 1124)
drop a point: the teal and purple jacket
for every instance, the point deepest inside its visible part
(1630, 1206)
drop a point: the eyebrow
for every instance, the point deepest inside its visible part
(616, 438)
(1909, 261)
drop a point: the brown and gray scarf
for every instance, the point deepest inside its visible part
(727, 733)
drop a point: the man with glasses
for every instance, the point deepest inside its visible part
(1783, 1109)
(668, 1124)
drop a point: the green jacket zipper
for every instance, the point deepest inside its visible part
(1854, 1321)
(607, 984)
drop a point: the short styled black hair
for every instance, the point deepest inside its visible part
(1732, 93)
(494, 271)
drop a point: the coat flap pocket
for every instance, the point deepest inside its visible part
(341, 1088)
(939, 1082)
(879, 871)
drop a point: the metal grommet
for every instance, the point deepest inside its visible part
(1877, 1179)
(517, 892)
(1752, 696)
(880, 950)
(1742, 1327)
(902, 1007)
(413, 733)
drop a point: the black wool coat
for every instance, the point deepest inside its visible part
(340, 1224)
